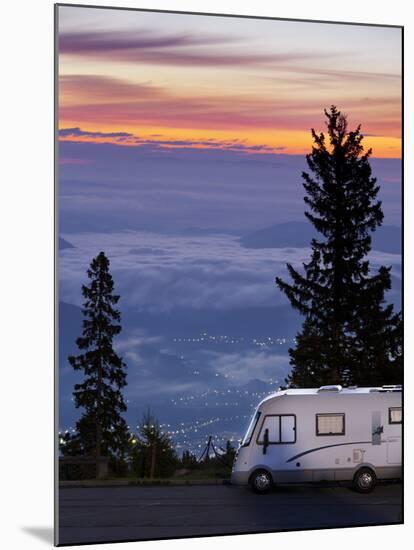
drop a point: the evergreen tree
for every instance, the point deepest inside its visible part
(101, 430)
(378, 340)
(189, 460)
(69, 444)
(151, 451)
(349, 335)
(230, 453)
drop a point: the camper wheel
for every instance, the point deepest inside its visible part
(261, 481)
(364, 480)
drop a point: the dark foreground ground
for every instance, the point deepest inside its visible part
(138, 513)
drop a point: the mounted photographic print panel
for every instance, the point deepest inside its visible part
(229, 228)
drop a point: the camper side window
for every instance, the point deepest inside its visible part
(395, 415)
(282, 429)
(330, 424)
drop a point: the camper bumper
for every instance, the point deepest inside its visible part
(240, 478)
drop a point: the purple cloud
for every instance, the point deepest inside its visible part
(103, 87)
(147, 47)
(95, 43)
(77, 132)
(130, 139)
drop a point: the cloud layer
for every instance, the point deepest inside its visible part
(162, 273)
(152, 47)
(106, 100)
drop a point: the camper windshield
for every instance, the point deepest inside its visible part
(250, 429)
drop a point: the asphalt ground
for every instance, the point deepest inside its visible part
(107, 514)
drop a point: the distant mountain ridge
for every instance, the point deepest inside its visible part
(299, 234)
(64, 244)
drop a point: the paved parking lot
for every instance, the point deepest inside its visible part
(140, 513)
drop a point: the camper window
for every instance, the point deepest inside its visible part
(250, 429)
(395, 415)
(282, 429)
(330, 424)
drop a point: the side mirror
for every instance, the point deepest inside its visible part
(378, 431)
(265, 440)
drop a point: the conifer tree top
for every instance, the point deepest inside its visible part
(349, 334)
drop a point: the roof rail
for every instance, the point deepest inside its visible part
(330, 388)
(388, 388)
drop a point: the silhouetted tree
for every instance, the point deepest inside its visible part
(69, 444)
(228, 456)
(189, 460)
(101, 429)
(349, 335)
(151, 452)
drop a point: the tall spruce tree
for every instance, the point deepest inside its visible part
(349, 334)
(101, 430)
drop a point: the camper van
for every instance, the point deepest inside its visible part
(326, 434)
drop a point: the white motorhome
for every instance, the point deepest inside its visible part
(326, 434)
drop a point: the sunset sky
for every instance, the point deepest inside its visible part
(139, 78)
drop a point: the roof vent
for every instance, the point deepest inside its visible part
(330, 388)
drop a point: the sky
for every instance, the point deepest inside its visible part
(178, 136)
(135, 77)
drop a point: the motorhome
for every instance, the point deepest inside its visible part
(325, 434)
